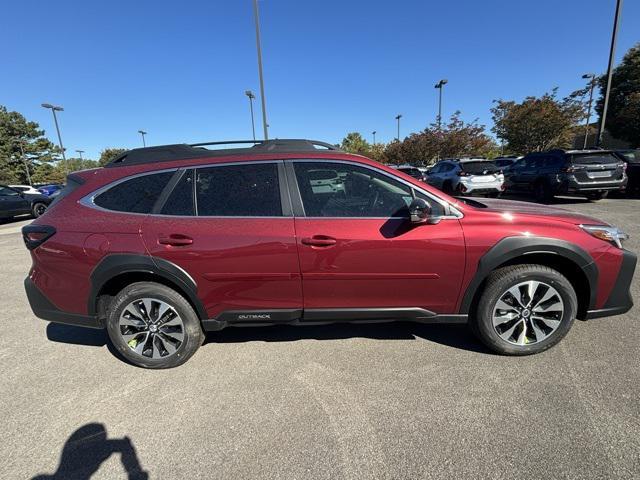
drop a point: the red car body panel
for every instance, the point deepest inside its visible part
(258, 263)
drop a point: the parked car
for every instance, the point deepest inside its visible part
(13, 203)
(166, 243)
(49, 189)
(632, 159)
(413, 172)
(592, 173)
(25, 189)
(505, 162)
(467, 177)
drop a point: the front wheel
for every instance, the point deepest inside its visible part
(153, 326)
(525, 309)
(38, 209)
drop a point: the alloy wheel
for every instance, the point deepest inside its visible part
(529, 312)
(151, 328)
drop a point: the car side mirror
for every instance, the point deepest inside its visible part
(420, 212)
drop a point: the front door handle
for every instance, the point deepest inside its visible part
(175, 239)
(319, 241)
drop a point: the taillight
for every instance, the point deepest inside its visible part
(463, 174)
(624, 167)
(36, 235)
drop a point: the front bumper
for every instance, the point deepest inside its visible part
(44, 309)
(619, 300)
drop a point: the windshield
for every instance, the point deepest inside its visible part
(480, 167)
(593, 158)
(632, 156)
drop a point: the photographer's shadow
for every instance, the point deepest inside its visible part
(85, 451)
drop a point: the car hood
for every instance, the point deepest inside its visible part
(527, 208)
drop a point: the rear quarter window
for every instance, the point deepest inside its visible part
(135, 195)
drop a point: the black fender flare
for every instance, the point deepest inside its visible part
(512, 247)
(118, 263)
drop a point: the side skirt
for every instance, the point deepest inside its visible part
(324, 316)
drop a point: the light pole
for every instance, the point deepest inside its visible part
(374, 136)
(80, 152)
(592, 84)
(612, 52)
(143, 133)
(251, 96)
(265, 126)
(55, 109)
(398, 117)
(439, 86)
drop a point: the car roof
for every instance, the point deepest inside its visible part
(183, 151)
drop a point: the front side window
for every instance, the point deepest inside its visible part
(242, 190)
(136, 195)
(7, 192)
(354, 191)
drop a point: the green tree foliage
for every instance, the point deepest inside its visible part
(355, 143)
(454, 139)
(18, 135)
(623, 115)
(537, 123)
(109, 154)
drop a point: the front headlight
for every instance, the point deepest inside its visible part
(609, 234)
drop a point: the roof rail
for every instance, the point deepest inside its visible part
(167, 153)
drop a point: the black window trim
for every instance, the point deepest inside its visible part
(450, 212)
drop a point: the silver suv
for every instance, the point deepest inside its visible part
(467, 176)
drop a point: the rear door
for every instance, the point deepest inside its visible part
(358, 250)
(230, 227)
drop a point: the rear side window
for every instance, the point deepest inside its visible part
(249, 190)
(136, 195)
(180, 202)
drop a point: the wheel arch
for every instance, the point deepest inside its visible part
(565, 257)
(115, 271)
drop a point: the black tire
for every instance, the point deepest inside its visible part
(192, 330)
(447, 188)
(597, 196)
(542, 192)
(503, 279)
(38, 208)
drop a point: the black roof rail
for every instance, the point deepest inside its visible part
(167, 153)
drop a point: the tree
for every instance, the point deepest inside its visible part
(623, 114)
(537, 123)
(23, 147)
(355, 143)
(109, 154)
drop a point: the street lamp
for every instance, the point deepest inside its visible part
(612, 52)
(251, 96)
(55, 109)
(592, 84)
(265, 126)
(439, 86)
(80, 152)
(143, 133)
(398, 117)
(374, 136)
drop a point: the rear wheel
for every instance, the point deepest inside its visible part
(525, 309)
(153, 326)
(447, 188)
(38, 209)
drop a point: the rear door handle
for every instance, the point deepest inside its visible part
(175, 239)
(319, 241)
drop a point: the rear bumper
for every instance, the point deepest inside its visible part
(619, 300)
(573, 186)
(481, 187)
(44, 309)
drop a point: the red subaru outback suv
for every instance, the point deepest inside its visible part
(166, 243)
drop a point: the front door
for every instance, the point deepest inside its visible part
(12, 203)
(227, 227)
(358, 250)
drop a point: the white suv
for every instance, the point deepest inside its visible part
(467, 176)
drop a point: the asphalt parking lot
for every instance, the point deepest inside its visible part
(379, 401)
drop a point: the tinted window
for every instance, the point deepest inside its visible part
(594, 159)
(479, 168)
(361, 192)
(250, 190)
(136, 195)
(7, 192)
(632, 156)
(180, 202)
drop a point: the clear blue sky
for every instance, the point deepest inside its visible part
(179, 69)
